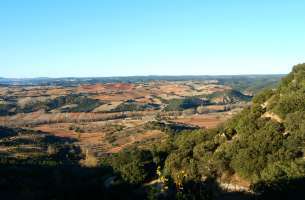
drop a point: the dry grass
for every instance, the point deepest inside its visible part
(130, 140)
(107, 107)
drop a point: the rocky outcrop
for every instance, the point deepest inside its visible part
(273, 116)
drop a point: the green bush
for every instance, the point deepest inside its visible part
(182, 104)
(135, 166)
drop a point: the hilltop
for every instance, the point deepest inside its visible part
(229, 97)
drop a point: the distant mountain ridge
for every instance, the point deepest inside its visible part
(91, 80)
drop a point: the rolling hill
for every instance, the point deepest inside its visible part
(257, 154)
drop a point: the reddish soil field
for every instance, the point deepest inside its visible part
(62, 130)
(119, 86)
(204, 121)
(216, 107)
(57, 131)
(173, 88)
(91, 88)
(118, 96)
(97, 139)
(54, 118)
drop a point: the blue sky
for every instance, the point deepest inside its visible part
(60, 38)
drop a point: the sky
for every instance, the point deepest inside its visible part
(65, 38)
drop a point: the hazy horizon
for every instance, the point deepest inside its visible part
(141, 38)
(201, 75)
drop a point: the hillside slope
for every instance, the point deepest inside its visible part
(263, 146)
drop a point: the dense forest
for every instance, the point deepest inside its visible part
(260, 150)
